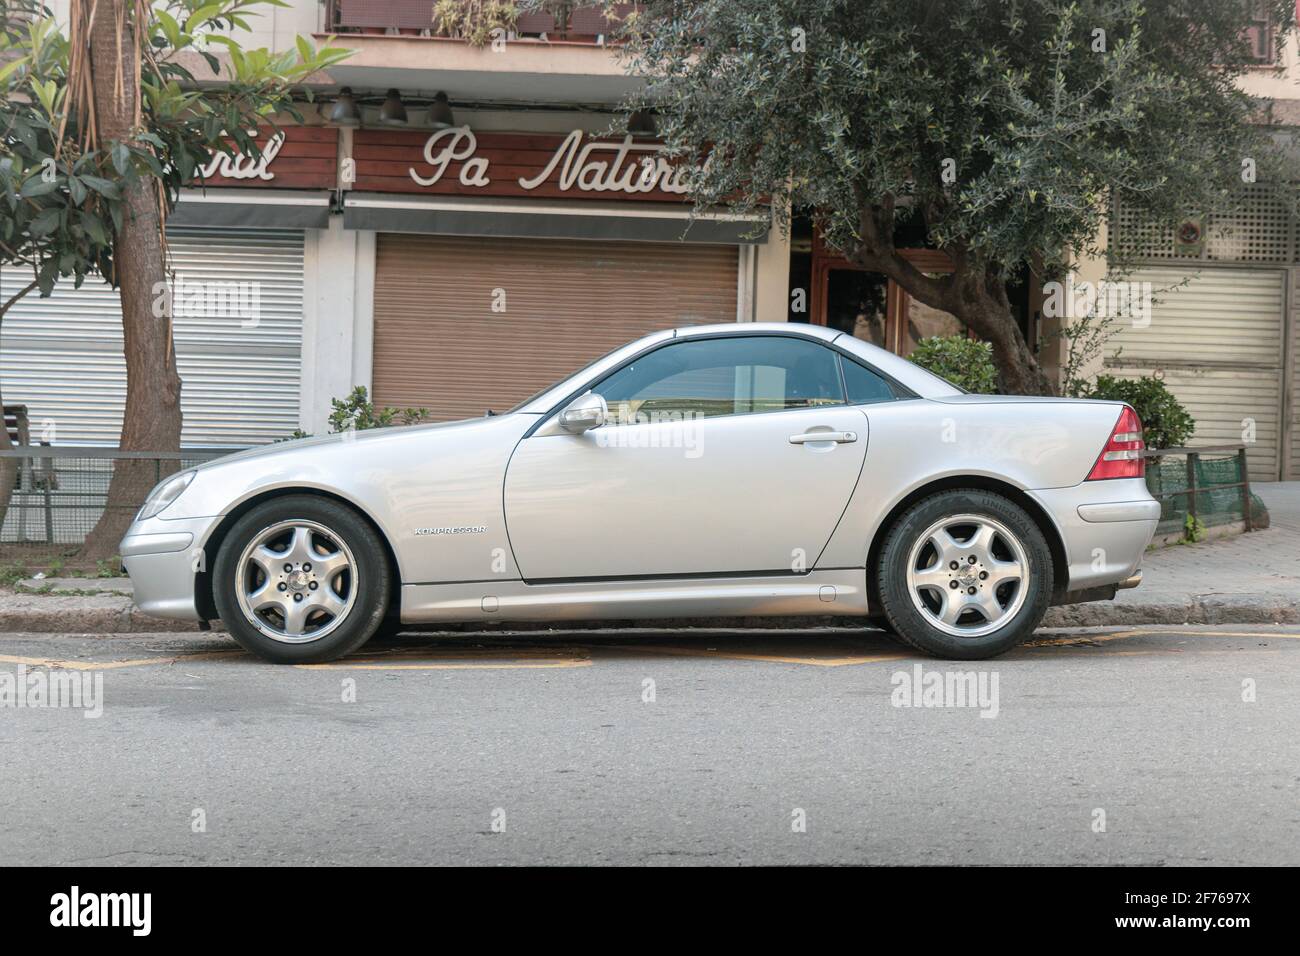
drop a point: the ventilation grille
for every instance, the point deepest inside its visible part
(1260, 229)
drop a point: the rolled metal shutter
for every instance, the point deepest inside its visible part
(1292, 396)
(1218, 342)
(239, 356)
(466, 324)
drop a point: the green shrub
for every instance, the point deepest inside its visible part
(967, 363)
(1165, 422)
(357, 412)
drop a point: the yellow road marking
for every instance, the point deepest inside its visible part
(1227, 633)
(62, 664)
(345, 666)
(525, 658)
(461, 658)
(558, 650)
(1085, 639)
(751, 656)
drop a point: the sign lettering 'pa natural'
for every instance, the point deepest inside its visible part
(624, 166)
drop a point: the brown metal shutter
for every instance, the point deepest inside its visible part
(438, 343)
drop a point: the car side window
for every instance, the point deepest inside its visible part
(730, 375)
(865, 387)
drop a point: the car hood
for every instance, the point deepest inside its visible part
(354, 440)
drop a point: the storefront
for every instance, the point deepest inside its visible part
(237, 254)
(504, 261)
(827, 289)
(453, 270)
(1222, 329)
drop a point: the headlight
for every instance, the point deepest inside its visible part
(164, 494)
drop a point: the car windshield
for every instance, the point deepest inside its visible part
(538, 394)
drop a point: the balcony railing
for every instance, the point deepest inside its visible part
(572, 22)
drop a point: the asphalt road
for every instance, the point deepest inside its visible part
(547, 749)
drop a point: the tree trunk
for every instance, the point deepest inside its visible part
(973, 293)
(152, 418)
(984, 307)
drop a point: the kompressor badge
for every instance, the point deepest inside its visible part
(463, 529)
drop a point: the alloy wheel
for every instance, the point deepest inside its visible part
(967, 575)
(297, 581)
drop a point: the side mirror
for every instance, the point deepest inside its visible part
(584, 412)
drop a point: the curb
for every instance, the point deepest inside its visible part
(117, 614)
(1215, 609)
(98, 613)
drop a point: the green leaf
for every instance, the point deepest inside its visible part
(201, 16)
(121, 158)
(13, 65)
(47, 276)
(46, 222)
(171, 29)
(105, 187)
(94, 228)
(36, 186)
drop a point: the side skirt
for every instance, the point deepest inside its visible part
(839, 592)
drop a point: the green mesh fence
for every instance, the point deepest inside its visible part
(57, 494)
(1215, 504)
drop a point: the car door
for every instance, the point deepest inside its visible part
(721, 455)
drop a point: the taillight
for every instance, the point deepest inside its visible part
(1122, 456)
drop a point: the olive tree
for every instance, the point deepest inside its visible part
(998, 130)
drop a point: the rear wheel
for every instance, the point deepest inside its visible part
(964, 574)
(301, 579)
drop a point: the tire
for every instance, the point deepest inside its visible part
(390, 627)
(302, 580)
(993, 598)
(878, 622)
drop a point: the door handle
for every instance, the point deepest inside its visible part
(840, 438)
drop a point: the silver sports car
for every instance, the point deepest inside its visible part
(715, 471)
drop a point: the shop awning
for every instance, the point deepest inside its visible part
(539, 219)
(272, 208)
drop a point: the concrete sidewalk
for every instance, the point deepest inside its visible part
(1245, 579)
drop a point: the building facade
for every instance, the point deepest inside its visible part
(452, 226)
(1224, 328)
(455, 226)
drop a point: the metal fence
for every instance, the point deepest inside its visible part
(59, 492)
(1209, 484)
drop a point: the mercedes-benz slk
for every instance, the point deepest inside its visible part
(715, 471)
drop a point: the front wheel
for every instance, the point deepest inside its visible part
(965, 574)
(301, 579)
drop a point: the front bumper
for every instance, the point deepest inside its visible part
(1105, 525)
(164, 558)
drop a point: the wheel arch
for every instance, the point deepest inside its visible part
(1052, 534)
(203, 599)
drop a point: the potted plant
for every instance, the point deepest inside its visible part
(474, 21)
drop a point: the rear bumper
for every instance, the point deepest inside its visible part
(1102, 512)
(164, 559)
(1105, 527)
